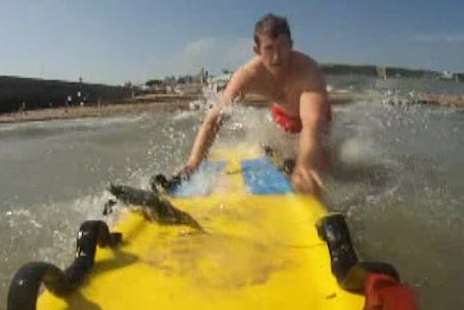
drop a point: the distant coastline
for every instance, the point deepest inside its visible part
(22, 94)
(29, 99)
(387, 72)
(162, 103)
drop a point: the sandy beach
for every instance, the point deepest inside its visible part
(132, 107)
(91, 111)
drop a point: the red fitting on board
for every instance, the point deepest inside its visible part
(385, 293)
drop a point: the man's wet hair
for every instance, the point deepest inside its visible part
(272, 25)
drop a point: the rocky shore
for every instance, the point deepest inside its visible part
(171, 103)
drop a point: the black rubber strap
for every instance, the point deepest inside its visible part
(25, 285)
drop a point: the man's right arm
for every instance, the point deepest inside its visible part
(205, 137)
(237, 85)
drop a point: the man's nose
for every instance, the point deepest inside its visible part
(276, 58)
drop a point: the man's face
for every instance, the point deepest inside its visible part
(275, 53)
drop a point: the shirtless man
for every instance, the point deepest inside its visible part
(294, 84)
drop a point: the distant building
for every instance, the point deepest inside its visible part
(219, 82)
(203, 76)
(446, 75)
(459, 77)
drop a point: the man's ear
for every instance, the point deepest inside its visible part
(256, 49)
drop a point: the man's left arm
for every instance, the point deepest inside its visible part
(313, 106)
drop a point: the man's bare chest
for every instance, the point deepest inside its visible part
(288, 98)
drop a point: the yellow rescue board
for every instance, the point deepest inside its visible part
(258, 252)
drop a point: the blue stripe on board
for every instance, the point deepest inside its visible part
(261, 177)
(202, 182)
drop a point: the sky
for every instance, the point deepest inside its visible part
(114, 41)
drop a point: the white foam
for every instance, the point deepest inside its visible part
(357, 150)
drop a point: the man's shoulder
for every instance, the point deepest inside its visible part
(248, 71)
(305, 62)
(243, 78)
(307, 71)
(253, 66)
